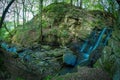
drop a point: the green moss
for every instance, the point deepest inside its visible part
(56, 7)
(56, 11)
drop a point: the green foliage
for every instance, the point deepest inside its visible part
(19, 78)
(2, 31)
(44, 24)
(48, 77)
(53, 31)
(3, 34)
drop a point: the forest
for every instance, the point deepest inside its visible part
(59, 39)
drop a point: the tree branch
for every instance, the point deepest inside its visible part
(4, 13)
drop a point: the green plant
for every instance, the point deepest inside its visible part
(48, 77)
(44, 24)
(19, 78)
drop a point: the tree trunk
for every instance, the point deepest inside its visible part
(17, 11)
(80, 4)
(40, 18)
(25, 19)
(55, 1)
(118, 1)
(71, 2)
(23, 3)
(5, 12)
(14, 19)
(77, 3)
(31, 7)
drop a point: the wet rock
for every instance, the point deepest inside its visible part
(106, 62)
(39, 55)
(107, 50)
(36, 63)
(116, 76)
(85, 73)
(9, 48)
(69, 58)
(116, 70)
(56, 52)
(109, 61)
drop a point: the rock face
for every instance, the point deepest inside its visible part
(62, 23)
(26, 37)
(110, 60)
(85, 73)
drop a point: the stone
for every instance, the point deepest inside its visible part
(116, 69)
(85, 73)
(107, 50)
(110, 61)
(4, 45)
(115, 44)
(69, 58)
(46, 47)
(116, 75)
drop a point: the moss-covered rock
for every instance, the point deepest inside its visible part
(26, 37)
(62, 23)
(85, 73)
(111, 56)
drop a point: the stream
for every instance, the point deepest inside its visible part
(61, 60)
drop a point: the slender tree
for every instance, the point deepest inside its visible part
(80, 4)
(40, 18)
(55, 1)
(71, 2)
(31, 3)
(5, 12)
(118, 1)
(77, 3)
(14, 18)
(23, 5)
(17, 11)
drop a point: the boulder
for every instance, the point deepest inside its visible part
(61, 26)
(69, 58)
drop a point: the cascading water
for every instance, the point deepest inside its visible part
(22, 55)
(94, 41)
